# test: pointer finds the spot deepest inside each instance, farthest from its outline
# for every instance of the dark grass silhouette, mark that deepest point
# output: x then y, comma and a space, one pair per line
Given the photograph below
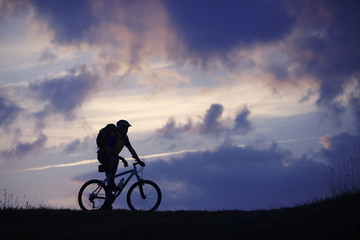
334, 218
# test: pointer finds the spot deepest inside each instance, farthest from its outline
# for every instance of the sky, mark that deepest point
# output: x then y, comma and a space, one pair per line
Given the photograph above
233, 104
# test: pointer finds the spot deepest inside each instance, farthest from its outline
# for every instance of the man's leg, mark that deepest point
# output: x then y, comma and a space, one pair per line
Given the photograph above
114, 162
110, 175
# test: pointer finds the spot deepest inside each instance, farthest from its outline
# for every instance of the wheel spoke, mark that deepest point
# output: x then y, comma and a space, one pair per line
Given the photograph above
92, 195
148, 201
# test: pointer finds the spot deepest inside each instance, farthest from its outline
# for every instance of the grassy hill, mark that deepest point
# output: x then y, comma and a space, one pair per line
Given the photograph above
336, 218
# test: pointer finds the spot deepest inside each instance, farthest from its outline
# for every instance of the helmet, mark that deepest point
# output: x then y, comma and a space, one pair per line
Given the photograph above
123, 123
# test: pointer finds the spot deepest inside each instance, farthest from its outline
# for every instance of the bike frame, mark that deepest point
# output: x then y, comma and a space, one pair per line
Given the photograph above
132, 172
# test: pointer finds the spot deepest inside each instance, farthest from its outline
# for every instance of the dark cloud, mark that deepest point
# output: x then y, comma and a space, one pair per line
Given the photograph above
242, 123
237, 178
331, 108
341, 146
342, 154
212, 121
8, 111
210, 28
71, 21
279, 70
171, 129
24, 148
354, 103
117, 28
332, 41
63, 95
323, 43
71, 147
79, 144
79, 21
211, 124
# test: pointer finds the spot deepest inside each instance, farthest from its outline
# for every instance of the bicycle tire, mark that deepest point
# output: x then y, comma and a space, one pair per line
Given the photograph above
90, 200
152, 196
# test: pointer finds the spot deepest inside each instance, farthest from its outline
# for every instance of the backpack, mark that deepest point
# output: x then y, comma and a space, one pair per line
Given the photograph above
104, 134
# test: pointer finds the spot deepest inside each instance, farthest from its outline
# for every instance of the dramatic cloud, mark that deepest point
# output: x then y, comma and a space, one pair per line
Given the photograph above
355, 106
21, 149
80, 144
171, 129
211, 124
342, 154
237, 178
335, 52
8, 111
211, 28
328, 49
212, 120
73, 28
339, 147
242, 123
121, 31
63, 95
151, 53
298, 40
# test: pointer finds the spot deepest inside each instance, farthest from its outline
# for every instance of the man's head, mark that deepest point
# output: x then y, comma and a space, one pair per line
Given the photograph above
123, 126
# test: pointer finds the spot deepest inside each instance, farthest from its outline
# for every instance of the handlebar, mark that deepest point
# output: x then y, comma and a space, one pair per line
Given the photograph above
124, 161
141, 163
138, 161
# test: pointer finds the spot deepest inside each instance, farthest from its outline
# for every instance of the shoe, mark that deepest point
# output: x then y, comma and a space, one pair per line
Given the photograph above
106, 207
108, 202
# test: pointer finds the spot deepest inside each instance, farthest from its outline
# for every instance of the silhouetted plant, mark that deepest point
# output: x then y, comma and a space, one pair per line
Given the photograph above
10, 202
344, 176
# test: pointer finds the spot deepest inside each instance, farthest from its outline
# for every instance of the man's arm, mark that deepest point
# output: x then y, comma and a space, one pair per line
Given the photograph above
132, 150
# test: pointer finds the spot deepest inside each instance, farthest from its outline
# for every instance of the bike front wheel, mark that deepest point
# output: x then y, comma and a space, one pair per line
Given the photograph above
144, 195
92, 195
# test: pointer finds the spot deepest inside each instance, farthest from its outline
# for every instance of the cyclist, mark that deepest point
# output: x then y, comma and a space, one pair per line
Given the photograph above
114, 144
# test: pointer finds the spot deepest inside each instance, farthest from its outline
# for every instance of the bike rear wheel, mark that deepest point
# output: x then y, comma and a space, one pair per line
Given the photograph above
144, 196
92, 195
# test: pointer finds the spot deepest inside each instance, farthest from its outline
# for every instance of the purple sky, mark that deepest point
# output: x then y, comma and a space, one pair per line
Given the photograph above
234, 104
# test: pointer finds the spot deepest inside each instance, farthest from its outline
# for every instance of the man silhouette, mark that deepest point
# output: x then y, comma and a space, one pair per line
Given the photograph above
114, 144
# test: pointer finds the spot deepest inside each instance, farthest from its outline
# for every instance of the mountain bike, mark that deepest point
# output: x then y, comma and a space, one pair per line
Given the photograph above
143, 195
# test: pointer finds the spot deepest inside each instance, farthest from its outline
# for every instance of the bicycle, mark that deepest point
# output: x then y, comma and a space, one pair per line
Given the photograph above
143, 195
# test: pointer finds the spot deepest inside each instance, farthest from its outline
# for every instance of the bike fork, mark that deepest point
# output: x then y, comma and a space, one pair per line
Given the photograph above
142, 193
141, 183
